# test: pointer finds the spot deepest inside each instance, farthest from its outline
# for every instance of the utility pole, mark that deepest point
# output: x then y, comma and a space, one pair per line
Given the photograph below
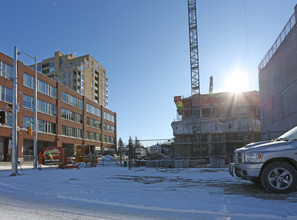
14, 159
35, 118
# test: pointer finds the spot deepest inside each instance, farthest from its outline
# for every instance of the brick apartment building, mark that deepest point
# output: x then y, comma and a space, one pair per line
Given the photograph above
65, 117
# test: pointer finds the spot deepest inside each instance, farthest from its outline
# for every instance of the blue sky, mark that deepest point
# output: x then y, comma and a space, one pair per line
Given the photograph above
144, 46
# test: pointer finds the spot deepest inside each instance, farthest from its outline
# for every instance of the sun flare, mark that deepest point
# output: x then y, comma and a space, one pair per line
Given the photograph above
237, 82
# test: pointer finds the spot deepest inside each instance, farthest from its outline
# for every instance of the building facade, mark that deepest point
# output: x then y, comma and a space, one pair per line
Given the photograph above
278, 83
77, 72
65, 117
228, 121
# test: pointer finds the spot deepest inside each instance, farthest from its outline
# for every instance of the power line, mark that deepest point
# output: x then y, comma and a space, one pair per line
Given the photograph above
168, 139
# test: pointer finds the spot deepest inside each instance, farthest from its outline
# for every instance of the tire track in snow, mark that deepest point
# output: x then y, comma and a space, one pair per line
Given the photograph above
184, 211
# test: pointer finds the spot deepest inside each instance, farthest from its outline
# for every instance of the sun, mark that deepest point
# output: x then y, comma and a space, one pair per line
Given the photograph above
237, 82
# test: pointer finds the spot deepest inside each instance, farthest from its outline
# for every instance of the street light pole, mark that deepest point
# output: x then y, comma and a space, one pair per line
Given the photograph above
35, 117
35, 112
14, 159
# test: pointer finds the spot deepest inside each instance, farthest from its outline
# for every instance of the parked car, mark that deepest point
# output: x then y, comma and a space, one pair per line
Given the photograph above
271, 163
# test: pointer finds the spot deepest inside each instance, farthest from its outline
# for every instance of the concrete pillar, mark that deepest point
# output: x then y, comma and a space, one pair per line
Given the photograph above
224, 145
244, 139
209, 145
20, 148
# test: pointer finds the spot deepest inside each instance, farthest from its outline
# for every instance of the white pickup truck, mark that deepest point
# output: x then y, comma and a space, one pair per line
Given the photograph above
271, 163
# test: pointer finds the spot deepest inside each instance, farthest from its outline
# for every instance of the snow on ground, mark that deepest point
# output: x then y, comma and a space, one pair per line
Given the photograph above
113, 192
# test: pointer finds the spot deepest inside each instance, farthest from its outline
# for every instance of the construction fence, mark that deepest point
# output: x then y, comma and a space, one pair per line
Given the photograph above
215, 162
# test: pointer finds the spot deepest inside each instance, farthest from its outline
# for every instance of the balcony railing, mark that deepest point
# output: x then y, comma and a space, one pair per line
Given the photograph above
278, 41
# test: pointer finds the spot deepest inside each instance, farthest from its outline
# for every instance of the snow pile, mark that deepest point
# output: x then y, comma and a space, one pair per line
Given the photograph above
81, 165
107, 161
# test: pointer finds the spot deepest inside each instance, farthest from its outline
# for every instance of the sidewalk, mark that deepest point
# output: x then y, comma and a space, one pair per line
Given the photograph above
22, 165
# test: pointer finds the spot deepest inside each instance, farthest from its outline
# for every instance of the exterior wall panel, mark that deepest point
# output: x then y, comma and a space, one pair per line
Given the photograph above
278, 88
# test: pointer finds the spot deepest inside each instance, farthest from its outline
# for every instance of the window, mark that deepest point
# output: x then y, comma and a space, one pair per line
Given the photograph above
71, 100
81, 67
93, 110
61, 61
28, 102
69, 79
64, 97
52, 91
47, 127
108, 116
7, 68
109, 128
64, 78
82, 87
72, 132
78, 82
41, 106
47, 89
5, 94
93, 123
45, 71
28, 81
45, 65
27, 121
39, 68
47, 108
72, 116
109, 139
52, 67
41, 86
87, 64
97, 66
93, 136
41, 126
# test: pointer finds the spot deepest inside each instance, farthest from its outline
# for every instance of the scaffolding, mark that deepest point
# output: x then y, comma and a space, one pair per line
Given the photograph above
228, 121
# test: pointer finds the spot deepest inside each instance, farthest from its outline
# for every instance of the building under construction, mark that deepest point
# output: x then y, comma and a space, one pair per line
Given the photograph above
226, 121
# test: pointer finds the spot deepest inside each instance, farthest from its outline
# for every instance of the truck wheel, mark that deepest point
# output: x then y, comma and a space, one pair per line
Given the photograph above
279, 177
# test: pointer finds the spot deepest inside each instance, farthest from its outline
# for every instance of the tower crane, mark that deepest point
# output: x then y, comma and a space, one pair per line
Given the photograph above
195, 79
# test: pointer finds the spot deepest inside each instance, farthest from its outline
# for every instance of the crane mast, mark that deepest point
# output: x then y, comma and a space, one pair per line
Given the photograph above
195, 79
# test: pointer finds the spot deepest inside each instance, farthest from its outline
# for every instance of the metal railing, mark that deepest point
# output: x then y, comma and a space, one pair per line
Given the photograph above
28, 157
286, 30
